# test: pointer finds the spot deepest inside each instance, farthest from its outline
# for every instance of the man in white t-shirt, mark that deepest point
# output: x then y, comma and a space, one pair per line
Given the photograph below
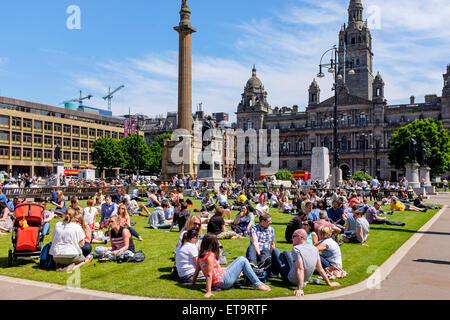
262, 208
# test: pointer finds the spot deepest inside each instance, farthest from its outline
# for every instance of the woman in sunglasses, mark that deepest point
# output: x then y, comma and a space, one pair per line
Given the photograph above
192, 222
186, 257
308, 226
125, 221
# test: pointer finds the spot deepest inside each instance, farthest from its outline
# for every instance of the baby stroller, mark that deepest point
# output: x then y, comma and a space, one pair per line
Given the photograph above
27, 236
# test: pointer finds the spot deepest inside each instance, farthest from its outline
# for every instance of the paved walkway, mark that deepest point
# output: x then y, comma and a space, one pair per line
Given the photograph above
420, 271
423, 273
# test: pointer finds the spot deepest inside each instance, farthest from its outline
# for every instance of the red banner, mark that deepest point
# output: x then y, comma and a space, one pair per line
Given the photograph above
70, 172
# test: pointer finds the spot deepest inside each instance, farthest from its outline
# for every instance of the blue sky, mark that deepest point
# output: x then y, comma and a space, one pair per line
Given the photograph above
133, 43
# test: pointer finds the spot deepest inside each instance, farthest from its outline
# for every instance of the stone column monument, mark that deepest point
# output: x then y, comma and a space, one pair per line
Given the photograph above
190, 153
185, 30
320, 164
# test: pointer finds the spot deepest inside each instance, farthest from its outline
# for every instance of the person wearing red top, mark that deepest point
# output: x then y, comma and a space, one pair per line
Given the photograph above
218, 277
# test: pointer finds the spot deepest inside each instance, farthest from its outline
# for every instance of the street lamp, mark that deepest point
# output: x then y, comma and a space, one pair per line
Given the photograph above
138, 119
333, 68
363, 137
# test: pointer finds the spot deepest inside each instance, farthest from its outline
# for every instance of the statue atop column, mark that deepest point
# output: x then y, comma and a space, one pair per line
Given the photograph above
424, 157
412, 149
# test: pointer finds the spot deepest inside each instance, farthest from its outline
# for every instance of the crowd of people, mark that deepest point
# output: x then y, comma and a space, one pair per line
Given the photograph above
324, 219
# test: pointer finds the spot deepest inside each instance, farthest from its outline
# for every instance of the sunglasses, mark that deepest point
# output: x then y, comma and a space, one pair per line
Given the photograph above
197, 224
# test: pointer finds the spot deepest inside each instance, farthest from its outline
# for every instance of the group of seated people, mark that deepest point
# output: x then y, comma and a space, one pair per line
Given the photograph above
321, 225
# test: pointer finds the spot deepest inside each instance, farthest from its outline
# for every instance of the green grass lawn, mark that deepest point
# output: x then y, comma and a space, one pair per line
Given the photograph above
151, 277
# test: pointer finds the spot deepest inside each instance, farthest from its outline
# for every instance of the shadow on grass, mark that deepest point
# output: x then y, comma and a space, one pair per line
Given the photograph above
433, 261
412, 231
18, 263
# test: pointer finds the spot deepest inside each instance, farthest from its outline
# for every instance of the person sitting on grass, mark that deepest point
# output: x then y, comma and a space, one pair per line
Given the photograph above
152, 200
193, 222
262, 207
157, 218
109, 209
68, 239
134, 208
186, 257
243, 222
262, 242
323, 216
218, 277
372, 216
297, 267
180, 216
216, 225
125, 221
360, 230
75, 205
312, 237
87, 248
90, 214
6, 223
222, 199
121, 242
60, 204
419, 203
208, 203
331, 252
47, 216
293, 225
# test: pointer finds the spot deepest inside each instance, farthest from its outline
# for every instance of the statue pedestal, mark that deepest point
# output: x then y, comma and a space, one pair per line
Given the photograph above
58, 169
320, 164
424, 173
412, 174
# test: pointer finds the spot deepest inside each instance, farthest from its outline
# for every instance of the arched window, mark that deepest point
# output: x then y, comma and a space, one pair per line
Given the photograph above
249, 124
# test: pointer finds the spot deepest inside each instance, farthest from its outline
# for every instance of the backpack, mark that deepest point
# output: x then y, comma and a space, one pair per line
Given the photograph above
261, 274
46, 260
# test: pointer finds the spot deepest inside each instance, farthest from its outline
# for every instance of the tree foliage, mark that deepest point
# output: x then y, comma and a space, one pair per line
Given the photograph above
428, 133
359, 175
284, 175
131, 151
107, 154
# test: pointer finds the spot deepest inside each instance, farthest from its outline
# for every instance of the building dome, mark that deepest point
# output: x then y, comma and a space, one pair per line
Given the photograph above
254, 82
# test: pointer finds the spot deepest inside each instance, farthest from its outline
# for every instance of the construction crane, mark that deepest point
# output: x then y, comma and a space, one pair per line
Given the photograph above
110, 96
80, 100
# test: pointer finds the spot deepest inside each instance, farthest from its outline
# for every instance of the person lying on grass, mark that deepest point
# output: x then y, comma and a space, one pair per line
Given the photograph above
297, 267
397, 205
218, 277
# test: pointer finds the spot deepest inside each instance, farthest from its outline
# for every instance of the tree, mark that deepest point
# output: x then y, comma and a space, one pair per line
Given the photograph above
359, 175
284, 175
106, 154
428, 133
129, 146
156, 149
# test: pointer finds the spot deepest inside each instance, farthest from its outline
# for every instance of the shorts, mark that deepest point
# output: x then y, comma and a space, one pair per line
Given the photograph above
66, 260
407, 207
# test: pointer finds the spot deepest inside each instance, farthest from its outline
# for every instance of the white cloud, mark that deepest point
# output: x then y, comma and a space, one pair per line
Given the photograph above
411, 52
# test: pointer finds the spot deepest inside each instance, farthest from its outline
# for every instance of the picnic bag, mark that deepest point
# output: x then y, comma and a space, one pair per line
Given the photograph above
46, 260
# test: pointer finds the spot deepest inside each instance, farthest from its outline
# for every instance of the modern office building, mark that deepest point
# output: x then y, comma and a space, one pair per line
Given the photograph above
30, 132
